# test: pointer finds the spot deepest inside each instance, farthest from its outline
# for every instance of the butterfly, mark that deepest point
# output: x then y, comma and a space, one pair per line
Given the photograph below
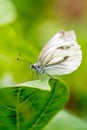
61, 55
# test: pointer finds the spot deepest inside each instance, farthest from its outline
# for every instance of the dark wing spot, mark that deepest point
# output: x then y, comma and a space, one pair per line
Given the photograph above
67, 47
63, 47
62, 32
66, 57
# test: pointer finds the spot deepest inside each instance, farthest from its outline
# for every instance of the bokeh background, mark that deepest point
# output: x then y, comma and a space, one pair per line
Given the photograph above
26, 26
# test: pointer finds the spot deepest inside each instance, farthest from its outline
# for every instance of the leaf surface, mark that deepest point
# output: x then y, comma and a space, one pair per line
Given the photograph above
27, 108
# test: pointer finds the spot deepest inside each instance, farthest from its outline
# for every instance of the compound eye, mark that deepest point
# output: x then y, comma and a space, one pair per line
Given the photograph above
31, 66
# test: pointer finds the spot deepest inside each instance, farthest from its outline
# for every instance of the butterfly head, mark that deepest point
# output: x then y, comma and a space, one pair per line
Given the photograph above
39, 69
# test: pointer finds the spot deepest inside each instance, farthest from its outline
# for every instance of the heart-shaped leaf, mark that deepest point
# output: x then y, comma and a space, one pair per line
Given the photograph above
24, 108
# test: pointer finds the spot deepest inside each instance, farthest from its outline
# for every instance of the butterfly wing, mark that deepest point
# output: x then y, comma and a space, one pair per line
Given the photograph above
61, 55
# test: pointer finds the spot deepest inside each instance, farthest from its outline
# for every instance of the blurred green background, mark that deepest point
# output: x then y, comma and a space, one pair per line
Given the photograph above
26, 26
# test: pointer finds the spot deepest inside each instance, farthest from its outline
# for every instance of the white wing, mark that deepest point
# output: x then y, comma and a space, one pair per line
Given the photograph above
62, 55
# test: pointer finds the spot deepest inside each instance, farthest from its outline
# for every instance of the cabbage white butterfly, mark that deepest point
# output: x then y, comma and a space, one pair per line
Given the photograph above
61, 55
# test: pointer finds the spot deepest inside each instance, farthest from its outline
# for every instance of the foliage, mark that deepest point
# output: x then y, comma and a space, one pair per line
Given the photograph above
25, 108
25, 26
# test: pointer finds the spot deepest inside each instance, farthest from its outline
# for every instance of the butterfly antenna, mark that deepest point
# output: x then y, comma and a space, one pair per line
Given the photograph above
23, 59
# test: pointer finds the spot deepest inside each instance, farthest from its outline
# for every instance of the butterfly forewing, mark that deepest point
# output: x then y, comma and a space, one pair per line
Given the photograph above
62, 54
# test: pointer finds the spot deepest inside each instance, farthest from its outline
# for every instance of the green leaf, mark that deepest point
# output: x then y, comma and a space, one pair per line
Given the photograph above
27, 108
66, 121
40, 84
7, 12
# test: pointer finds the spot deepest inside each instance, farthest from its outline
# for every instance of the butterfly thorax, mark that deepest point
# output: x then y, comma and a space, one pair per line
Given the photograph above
39, 69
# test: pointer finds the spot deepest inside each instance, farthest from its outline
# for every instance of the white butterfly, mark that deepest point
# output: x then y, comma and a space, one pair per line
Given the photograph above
61, 55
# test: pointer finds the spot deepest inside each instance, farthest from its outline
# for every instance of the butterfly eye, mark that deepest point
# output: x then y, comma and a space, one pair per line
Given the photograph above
32, 66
